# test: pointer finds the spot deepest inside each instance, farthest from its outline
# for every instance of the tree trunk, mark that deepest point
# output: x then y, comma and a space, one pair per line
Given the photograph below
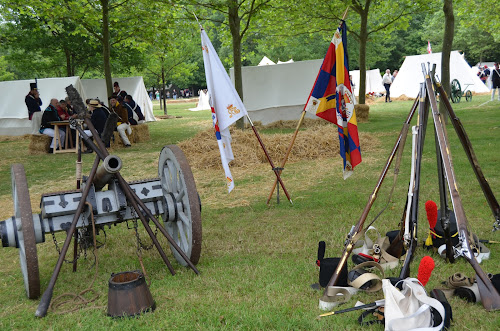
73, 64
449, 30
363, 38
163, 95
106, 47
234, 25
68, 62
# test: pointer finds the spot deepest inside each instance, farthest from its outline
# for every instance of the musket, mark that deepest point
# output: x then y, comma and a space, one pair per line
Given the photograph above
375, 304
356, 232
489, 295
411, 230
469, 151
396, 248
445, 211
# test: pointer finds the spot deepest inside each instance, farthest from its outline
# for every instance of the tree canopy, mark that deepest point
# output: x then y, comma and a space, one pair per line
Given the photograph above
97, 38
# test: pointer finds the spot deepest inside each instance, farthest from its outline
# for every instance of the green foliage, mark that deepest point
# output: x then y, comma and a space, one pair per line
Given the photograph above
481, 15
5, 73
54, 38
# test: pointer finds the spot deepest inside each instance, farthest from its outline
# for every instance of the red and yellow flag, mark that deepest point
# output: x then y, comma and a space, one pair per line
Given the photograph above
331, 98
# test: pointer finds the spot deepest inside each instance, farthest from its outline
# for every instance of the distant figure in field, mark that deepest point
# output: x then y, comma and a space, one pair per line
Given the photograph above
135, 115
387, 81
483, 74
117, 91
50, 115
33, 102
495, 81
123, 122
394, 74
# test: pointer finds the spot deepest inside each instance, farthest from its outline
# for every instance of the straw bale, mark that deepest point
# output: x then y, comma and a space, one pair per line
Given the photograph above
306, 123
362, 112
140, 133
116, 141
314, 143
39, 144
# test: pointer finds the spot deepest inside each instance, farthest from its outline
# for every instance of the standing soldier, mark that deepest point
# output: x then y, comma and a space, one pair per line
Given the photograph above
33, 102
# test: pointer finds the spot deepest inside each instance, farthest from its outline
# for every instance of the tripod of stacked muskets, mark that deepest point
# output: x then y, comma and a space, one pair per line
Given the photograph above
406, 240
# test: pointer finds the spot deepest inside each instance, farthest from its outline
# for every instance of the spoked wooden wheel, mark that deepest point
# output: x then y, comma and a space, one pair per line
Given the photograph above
456, 91
182, 217
468, 95
26, 235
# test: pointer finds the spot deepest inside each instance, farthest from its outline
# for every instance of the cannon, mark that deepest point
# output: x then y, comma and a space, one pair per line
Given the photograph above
171, 197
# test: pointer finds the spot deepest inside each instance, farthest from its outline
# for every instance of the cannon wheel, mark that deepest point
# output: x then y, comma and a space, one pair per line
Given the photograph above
456, 92
468, 95
177, 180
26, 235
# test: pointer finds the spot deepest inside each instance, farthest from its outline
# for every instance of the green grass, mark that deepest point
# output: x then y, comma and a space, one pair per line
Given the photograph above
257, 262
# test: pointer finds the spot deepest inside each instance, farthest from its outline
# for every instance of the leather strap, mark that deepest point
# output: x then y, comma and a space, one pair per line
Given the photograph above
366, 277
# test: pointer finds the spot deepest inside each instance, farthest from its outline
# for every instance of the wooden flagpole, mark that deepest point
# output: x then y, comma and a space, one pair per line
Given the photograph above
287, 154
276, 171
294, 136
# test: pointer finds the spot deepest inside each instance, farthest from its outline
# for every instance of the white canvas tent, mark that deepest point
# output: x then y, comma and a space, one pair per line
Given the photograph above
203, 103
279, 92
265, 61
289, 61
13, 112
96, 88
373, 81
409, 77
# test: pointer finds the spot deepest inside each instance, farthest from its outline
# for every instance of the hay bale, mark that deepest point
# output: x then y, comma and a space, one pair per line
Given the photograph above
362, 112
39, 144
116, 141
202, 150
140, 133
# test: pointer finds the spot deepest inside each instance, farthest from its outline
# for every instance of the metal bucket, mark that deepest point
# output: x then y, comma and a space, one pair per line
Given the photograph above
128, 294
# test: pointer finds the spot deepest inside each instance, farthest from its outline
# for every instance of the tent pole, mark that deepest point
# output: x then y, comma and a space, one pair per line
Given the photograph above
286, 155
275, 170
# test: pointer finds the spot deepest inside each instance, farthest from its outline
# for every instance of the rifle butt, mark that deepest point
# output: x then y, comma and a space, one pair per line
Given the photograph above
489, 295
43, 306
396, 247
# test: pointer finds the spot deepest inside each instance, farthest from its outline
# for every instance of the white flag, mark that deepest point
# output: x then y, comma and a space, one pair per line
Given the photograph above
225, 103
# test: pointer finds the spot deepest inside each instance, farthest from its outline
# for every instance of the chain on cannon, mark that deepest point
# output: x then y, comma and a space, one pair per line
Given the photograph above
171, 198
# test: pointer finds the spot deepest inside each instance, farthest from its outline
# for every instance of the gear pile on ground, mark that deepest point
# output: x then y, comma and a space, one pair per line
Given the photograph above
317, 139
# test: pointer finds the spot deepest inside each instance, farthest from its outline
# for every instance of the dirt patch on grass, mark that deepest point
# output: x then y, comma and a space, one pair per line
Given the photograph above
166, 117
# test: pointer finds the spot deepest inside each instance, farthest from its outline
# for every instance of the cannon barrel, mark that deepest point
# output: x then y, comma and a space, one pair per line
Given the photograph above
110, 166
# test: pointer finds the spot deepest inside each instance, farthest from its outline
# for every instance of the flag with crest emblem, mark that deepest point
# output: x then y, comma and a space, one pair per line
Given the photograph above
225, 103
331, 98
